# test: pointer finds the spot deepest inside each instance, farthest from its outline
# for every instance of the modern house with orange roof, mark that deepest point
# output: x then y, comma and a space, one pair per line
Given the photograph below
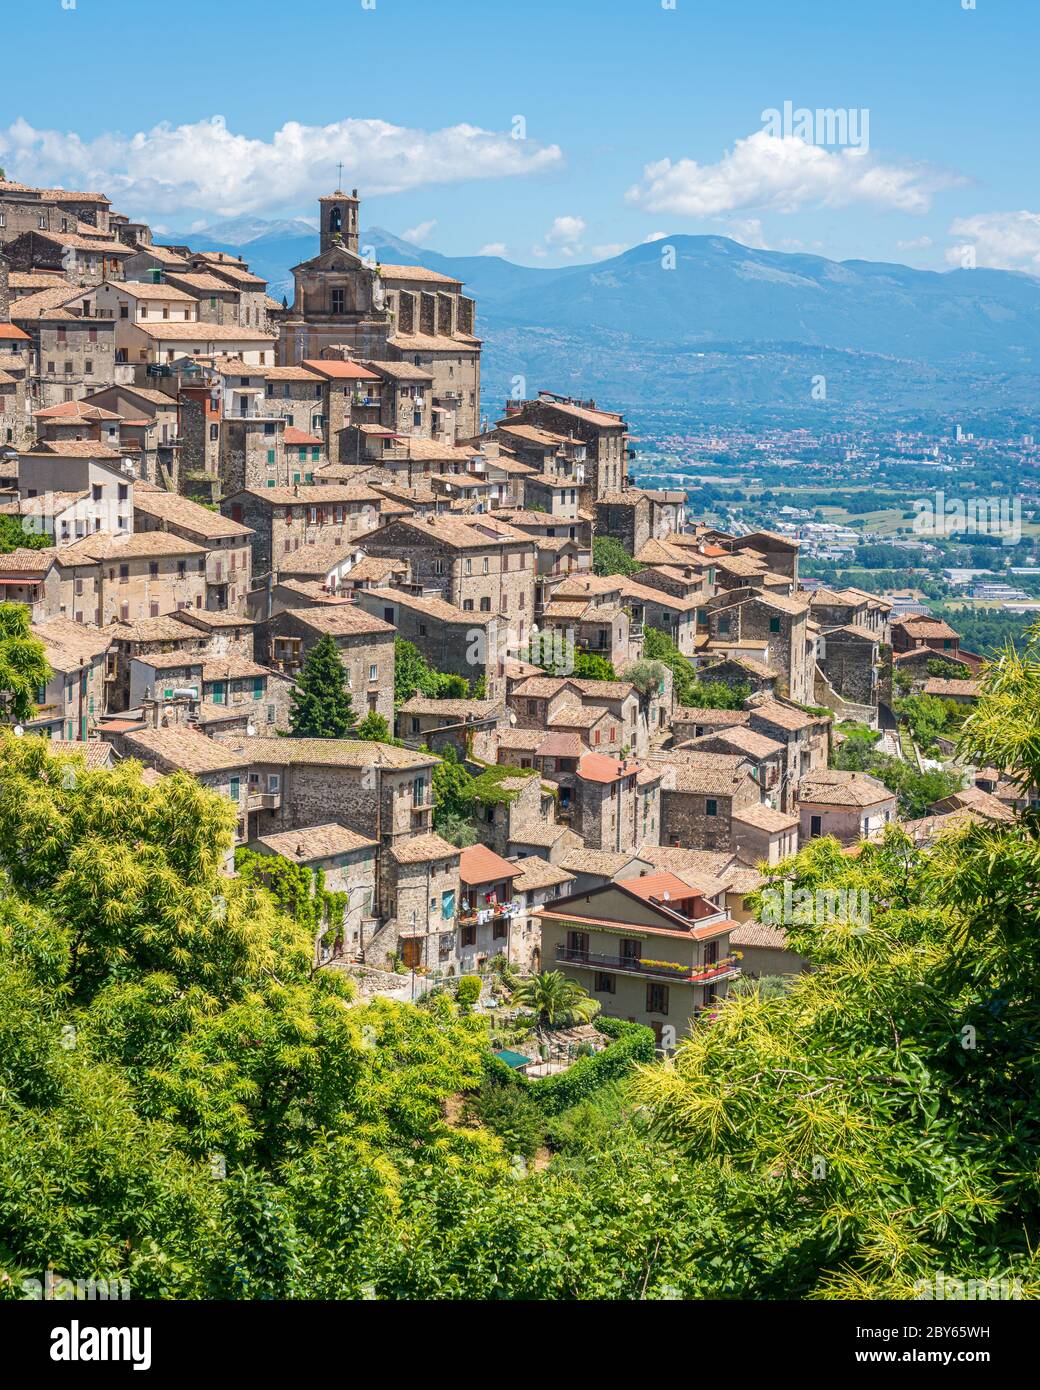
653, 949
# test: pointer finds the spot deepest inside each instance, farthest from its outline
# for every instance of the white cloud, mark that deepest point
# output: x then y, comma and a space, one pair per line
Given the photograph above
919, 243
493, 248
566, 231
419, 234
748, 231
655, 236
1002, 240
206, 168
607, 251
784, 174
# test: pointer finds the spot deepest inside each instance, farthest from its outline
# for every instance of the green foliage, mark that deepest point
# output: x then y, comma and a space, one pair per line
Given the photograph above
512, 1114
929, 718
690, 692
467, 992
916, 790
297, 890
556, 999
646, 676
321, 706
374, 728
459, 796
948, 670
587, 666
411, 674
14, 536
184, 1102
609, 556
23, 664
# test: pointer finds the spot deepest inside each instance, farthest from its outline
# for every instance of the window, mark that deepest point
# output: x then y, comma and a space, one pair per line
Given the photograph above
774, 624
373, 672
724, 625
711, 807
153, 569
657, 999
815, 827
469, 936
605, 984
235, 788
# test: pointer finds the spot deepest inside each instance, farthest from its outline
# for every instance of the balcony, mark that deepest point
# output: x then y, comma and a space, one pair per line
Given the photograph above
679, 973
263, 801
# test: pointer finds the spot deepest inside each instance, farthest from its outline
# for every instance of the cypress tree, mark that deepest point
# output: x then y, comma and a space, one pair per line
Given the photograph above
321, 705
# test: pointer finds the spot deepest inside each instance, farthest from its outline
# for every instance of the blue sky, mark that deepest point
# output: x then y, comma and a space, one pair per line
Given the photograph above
638, 119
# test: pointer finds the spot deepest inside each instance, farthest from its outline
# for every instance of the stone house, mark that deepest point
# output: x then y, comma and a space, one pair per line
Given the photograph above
479, 564
365, 645
449, 639
779, 623
617, 802
805, 736
653, 949
66, 707
851, 806
700, 794
604, 434
347, 862
120, 578
532, 810
848, 658
420, 905
74, 356
285, 520
590, 614
221, 766
767, 756
675, 617
468, 726
85, 260
762, 835
232, 691
692, 722
226, 542
923, 630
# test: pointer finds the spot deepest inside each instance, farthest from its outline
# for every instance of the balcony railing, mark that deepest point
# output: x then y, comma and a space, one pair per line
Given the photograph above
680, 972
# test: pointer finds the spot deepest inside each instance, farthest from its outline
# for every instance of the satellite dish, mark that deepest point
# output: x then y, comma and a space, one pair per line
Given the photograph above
251, 730
19, 732
667, 896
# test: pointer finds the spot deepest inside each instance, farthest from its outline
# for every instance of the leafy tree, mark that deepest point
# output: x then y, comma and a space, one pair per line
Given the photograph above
14, 536
556, 999
609, 556
23, 664
411, 674
927, 716
646, 676
374, 728
690, 691
321, 706
948, 670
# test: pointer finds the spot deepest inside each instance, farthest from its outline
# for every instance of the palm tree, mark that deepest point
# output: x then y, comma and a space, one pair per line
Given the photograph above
556, 999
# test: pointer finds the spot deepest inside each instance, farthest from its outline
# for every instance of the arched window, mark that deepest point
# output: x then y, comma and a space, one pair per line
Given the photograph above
335, 220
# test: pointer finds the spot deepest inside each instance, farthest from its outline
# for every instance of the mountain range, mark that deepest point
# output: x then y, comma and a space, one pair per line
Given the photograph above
726, 327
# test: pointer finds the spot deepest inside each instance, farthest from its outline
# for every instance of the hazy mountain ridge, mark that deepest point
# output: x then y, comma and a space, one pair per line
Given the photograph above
729, 324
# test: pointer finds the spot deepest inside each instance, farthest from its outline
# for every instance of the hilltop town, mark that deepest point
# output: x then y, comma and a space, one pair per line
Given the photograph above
203, 491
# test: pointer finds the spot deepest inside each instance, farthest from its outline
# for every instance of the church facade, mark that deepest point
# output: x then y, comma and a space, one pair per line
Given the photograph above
347, 304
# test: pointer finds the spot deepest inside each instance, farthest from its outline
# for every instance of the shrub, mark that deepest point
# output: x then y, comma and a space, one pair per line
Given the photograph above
468, 991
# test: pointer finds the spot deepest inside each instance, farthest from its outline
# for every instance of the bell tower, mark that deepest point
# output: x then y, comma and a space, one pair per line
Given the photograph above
339, 220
